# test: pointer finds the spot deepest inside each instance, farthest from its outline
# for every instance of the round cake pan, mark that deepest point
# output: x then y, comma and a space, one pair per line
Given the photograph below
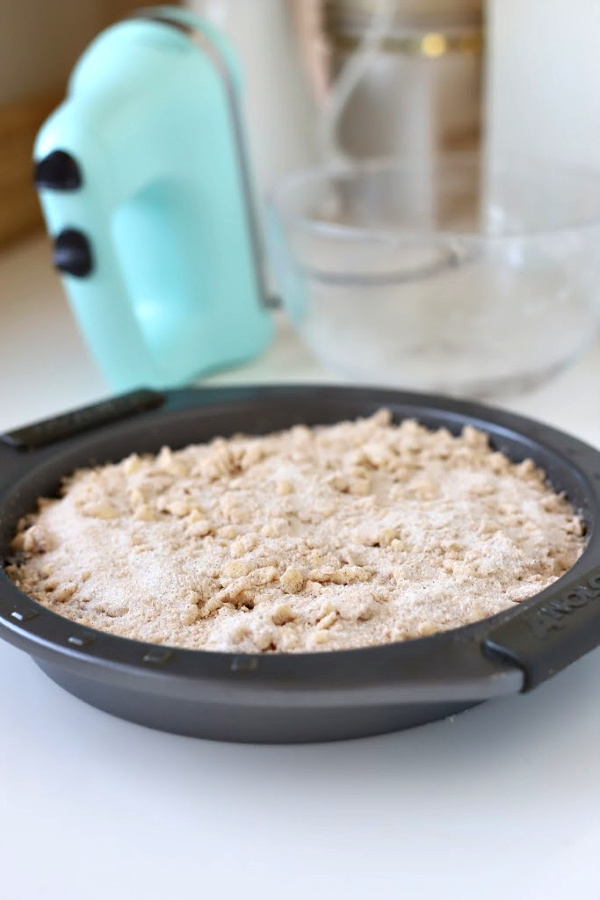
295, 697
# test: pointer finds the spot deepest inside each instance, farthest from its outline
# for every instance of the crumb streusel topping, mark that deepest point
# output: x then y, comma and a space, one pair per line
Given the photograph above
323, 538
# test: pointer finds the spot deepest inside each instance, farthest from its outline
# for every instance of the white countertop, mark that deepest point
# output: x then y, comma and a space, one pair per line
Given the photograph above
503, 801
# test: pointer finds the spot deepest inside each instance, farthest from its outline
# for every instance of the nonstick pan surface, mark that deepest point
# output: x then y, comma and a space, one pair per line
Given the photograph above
305, 696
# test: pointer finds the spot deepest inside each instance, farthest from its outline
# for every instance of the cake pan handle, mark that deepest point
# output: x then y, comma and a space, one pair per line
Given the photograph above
77, 421
545, 636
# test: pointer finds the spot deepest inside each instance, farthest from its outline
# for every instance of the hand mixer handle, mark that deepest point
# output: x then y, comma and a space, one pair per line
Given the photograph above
145, 188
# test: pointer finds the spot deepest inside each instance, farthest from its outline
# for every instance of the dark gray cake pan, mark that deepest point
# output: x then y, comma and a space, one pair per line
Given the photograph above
301, 696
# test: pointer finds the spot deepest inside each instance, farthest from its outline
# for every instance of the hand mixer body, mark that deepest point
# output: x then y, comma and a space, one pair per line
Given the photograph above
143, 190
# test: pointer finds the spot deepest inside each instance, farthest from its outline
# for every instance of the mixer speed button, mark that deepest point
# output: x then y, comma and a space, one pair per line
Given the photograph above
73, 253
58, 171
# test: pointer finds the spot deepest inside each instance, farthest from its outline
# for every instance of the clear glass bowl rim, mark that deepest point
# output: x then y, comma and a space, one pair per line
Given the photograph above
293, 182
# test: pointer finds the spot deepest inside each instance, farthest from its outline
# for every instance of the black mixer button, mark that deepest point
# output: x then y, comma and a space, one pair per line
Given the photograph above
58, 171
72, 253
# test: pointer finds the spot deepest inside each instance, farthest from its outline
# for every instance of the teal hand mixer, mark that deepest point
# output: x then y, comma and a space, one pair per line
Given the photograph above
144, 182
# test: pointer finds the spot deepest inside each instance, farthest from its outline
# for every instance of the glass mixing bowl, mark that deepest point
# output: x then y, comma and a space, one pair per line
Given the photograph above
471, 276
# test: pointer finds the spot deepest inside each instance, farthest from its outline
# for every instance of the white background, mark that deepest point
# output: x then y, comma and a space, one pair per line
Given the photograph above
544, 79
